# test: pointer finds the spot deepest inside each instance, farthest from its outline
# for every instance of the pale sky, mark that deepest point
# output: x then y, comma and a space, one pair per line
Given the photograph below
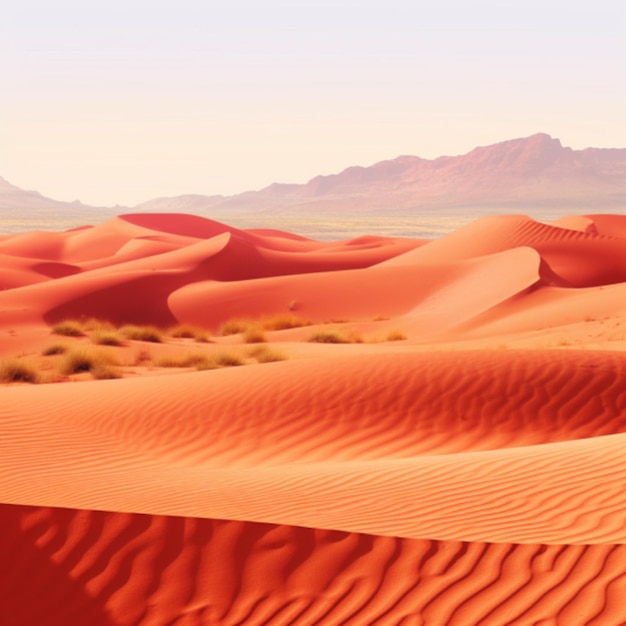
122, 101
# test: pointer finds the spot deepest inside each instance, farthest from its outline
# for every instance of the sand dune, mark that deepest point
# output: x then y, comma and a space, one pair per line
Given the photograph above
201, 571
470, 473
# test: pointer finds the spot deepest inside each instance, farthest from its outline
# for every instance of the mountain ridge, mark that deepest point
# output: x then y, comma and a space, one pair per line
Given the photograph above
523, 173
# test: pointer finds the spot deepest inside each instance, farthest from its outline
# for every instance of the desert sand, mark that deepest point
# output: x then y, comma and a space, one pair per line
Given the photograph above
450, 450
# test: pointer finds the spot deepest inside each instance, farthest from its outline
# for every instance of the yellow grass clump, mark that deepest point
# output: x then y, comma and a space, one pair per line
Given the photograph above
142, 333
98, 363
105, 337
280, 321
328, 336
54, 349
283, 321
395, 335
193, 359
94, 324
254, 334
228, 359
265, 354
235, 326
188, 331
16, 371
68, 328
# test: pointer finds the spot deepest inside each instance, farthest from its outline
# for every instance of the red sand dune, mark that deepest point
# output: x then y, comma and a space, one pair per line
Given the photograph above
471, 474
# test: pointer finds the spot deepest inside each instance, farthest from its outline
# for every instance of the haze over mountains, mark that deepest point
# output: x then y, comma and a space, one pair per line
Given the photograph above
529, 175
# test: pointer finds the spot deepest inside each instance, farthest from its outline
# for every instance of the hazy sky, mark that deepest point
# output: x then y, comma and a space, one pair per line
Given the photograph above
122, 101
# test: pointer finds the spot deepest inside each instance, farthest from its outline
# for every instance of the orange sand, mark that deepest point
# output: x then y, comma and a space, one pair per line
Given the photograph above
472, 473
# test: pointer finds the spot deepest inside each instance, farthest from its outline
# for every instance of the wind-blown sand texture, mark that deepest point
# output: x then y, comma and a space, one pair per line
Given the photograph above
473, 472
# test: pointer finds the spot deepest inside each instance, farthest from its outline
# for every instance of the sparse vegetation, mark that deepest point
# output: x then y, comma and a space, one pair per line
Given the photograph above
54, 349
254, 334
68, 328
328, 336
16, 371
265, 354
228, 359
142, 333
280, 321
183, 360
142, 357
188, 331
234, 326
395, 335
82, 360
105, 337
95, 324
283, 321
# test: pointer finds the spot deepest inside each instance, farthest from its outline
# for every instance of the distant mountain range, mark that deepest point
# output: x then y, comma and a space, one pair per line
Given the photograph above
519, 175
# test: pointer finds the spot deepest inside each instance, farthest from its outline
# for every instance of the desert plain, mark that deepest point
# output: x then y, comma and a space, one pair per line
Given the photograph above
207, 425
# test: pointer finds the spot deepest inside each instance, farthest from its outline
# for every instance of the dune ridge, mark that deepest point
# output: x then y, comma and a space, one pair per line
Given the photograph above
471, 471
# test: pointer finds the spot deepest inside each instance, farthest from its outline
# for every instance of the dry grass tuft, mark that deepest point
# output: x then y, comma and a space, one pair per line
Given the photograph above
265, 354
235, 326
142, 357
328, 336
280, 321
142, 333
395, 335
105, 337
185, 360
228, 359
55, 348
95, 324
283, 321
15, 371
254, 334
188, 331
82, 360
68, 328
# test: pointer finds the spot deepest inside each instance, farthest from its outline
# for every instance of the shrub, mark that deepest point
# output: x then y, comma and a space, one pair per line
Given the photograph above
142, 333
187, 331
14, 371
395, 335
283, 321
55, 348
142, 357
68, 328
228, 359
328, 336
185, 360
234, 327
76, 361
94, 324
264, 354
254, 334
104, 337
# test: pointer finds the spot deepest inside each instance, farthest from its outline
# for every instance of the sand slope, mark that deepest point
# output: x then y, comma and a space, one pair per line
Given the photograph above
201, 571
472, 473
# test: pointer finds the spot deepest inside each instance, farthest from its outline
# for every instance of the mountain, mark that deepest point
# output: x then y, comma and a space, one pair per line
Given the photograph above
534, 175
532, 172
20, 209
